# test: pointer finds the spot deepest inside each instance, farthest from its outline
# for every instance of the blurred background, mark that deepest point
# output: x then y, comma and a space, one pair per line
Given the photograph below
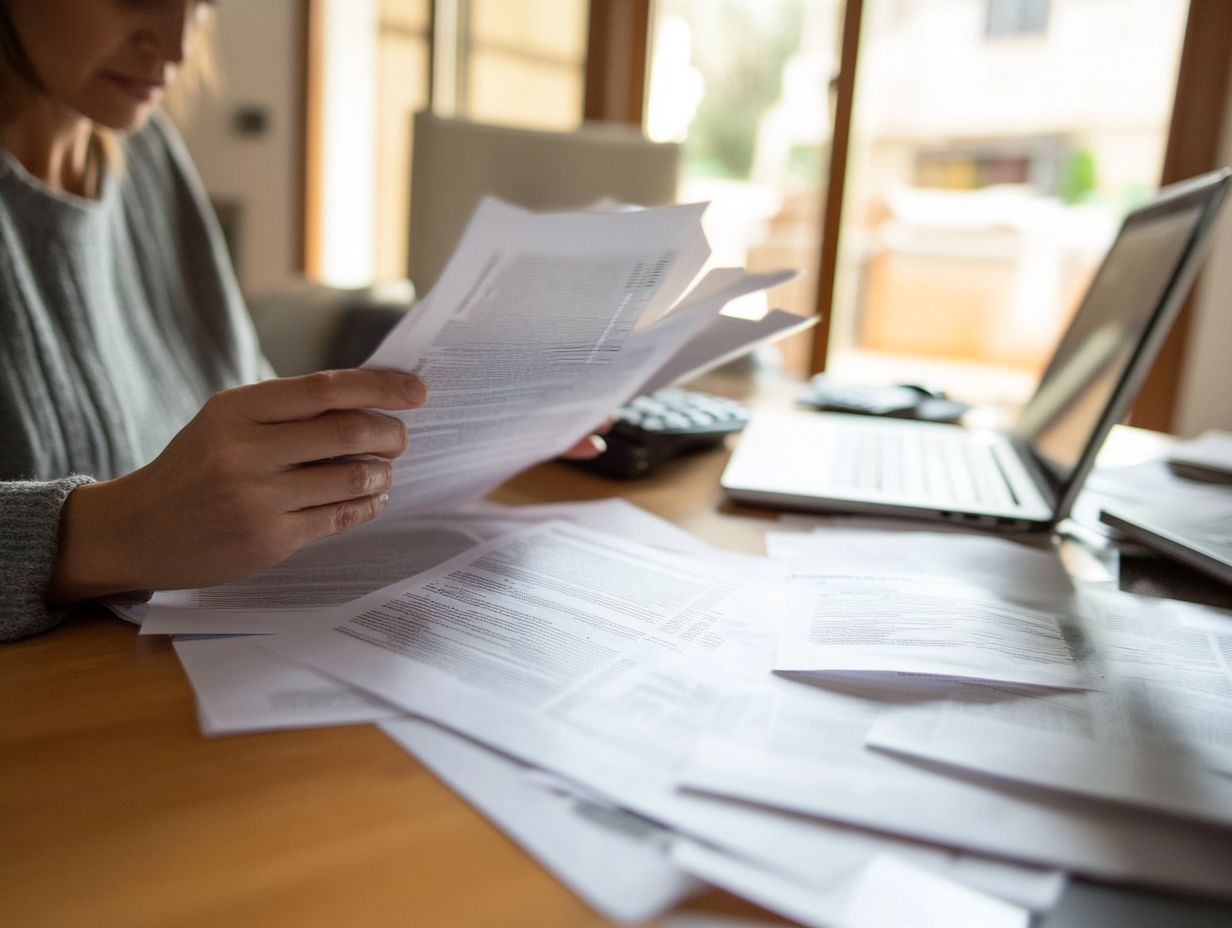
948, 173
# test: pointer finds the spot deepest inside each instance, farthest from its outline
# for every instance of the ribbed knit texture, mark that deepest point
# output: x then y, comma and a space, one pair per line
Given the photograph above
27, 550
118, 318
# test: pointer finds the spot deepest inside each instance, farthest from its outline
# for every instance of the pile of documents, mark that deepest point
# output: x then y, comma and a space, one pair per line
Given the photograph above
865, 727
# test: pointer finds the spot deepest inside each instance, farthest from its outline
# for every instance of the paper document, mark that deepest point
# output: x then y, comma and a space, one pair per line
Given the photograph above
1160, 737
344, 567
803, 749
1149, 480
921, 627
1207, 457
242, 687
1204, 618
536, 330
605, 662
332, 571
884, 893
724, 339
964, 606
617, 862
999, 565
504, 618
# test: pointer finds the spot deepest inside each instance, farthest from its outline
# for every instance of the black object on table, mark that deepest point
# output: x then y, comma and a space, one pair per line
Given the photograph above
658, 427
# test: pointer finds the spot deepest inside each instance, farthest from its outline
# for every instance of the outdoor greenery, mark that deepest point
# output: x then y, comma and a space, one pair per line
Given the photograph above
740, 49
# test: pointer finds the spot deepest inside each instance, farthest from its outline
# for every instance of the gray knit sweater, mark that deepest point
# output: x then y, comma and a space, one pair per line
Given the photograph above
118, 318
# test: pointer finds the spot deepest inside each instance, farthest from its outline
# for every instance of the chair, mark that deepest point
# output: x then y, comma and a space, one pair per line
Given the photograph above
455, 163
307, 326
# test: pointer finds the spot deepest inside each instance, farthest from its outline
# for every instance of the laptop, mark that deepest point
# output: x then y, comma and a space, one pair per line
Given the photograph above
1197, 535
1025, 477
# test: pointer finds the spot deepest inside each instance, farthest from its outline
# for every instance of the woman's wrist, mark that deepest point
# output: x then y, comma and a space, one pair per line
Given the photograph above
94, 556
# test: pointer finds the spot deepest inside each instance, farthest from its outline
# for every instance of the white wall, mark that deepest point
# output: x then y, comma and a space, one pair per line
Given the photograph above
1206, 383
258, 59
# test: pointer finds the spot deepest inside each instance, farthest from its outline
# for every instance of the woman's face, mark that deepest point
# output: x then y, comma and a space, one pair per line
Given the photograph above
106, 60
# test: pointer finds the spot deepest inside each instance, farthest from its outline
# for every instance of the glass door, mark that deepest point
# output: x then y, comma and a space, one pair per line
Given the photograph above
995, 145
745, 86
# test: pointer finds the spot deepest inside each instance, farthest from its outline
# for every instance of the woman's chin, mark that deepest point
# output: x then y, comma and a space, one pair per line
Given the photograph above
123, 119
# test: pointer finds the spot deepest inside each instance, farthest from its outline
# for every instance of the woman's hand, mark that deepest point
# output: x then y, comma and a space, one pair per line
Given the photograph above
591, 446
248, 482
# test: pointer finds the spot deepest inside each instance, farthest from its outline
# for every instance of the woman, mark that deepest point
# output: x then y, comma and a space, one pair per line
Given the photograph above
129, 458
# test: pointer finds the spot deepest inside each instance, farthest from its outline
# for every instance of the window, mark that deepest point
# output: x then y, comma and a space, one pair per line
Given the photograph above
745, 86
985, 180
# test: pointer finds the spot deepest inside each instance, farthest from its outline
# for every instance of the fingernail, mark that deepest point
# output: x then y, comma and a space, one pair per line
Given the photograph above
382, 499
414, 390
599, 443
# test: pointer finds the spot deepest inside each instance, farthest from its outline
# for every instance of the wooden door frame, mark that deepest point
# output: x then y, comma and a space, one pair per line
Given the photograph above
1194, 134
836, 183
616, 64
309, 165
617, 49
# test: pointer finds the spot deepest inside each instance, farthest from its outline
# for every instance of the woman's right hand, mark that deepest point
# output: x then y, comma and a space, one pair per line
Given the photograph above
248, 482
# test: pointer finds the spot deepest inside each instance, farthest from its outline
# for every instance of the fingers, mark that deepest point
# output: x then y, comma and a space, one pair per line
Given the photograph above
335, 518
590, 447
334, 482
293, 398
335, 434
587, 448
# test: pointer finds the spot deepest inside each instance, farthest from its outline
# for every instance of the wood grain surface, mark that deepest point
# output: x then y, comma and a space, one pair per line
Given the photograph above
115, 811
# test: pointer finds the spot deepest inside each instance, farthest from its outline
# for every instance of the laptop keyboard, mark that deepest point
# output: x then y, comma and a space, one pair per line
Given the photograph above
946, 468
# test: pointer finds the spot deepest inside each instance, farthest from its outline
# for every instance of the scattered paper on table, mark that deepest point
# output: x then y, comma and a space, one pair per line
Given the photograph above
884, 893
614, 860
242, 687
1159, 737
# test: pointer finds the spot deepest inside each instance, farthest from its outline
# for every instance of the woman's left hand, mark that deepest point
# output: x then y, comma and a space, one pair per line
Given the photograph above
591, 446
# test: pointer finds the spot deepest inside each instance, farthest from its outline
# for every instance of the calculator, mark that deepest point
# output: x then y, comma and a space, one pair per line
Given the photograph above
666, 424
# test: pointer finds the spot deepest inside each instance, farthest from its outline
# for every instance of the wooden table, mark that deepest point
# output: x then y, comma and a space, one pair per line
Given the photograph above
115, 811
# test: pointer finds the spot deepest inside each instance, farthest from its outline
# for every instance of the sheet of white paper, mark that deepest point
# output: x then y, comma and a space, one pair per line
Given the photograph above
891, 892
803, 749
329, 572
884, 893
999, 565
1154, 739
725, 338
1204, 618
805, 850
1134, 775
241, 687
1209, 452
970, 606
530, 338
613, 515
1152, 480
603, 661
344, 567
617, 862
917, 626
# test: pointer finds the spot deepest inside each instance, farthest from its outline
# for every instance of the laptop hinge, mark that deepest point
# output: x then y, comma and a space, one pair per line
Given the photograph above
1050, 488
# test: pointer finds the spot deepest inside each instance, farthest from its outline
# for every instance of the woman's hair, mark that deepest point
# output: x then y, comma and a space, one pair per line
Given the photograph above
16, 73
18, 79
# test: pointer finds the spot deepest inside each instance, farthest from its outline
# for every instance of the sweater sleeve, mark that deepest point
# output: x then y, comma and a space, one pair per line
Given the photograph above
29, 535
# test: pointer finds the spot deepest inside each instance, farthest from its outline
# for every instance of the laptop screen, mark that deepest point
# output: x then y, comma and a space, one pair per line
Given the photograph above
1108, 332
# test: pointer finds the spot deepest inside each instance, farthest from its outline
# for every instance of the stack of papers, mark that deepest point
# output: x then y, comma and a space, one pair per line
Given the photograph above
834, 731
1207, 457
